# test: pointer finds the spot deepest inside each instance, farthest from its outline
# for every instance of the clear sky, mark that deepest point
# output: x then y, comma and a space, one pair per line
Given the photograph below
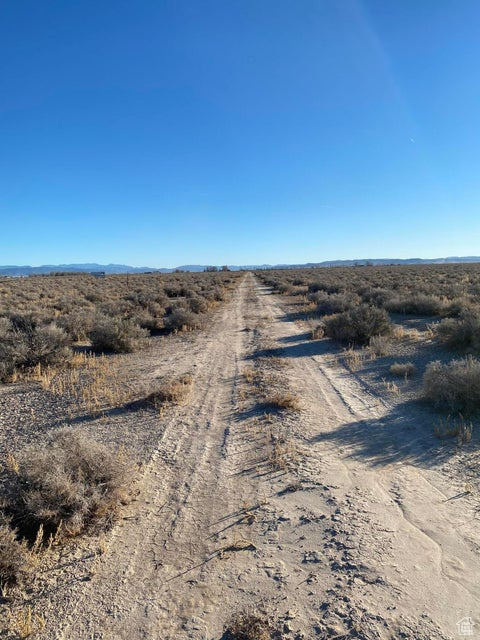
167, 132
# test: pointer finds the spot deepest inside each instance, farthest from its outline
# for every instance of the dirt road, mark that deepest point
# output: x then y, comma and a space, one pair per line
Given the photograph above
362, 537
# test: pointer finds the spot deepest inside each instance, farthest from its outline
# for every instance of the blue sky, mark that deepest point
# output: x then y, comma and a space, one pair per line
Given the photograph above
169, 132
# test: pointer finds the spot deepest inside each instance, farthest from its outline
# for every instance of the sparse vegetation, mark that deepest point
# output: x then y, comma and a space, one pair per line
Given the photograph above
40, 316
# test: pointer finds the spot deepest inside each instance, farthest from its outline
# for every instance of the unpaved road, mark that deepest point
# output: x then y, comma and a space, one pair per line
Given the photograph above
372, 544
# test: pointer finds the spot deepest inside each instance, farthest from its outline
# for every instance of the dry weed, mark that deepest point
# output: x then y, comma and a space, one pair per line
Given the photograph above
72, 483
454, 428
24, 623
284, 400
353, 359
403, 369
251, 625
175, 391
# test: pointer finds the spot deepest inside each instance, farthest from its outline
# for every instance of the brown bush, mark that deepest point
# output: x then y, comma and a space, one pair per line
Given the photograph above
73, 481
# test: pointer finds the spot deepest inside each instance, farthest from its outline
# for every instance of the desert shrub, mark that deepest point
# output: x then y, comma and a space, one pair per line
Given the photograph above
78, 323
13, 555
286, 289
327, 303
146, 320
462, 333
380, 345
458, 307
73, 481
218, 294
403, 369
416, 305
24, 344
375, 296
358, 325
198, 304
182, 320
116, 335
453, 387
323, 286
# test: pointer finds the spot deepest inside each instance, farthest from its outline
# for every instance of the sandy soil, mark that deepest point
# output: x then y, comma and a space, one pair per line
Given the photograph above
365, 534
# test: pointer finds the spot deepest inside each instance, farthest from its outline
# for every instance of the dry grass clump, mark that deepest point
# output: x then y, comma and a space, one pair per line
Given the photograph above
24, 344
403, 369
462, 333
73, 483
453, 387
380, 345
14, 556
353, 359
116, 335
250, 374
358, 325
454, 428
92, 382
284, 400
318, 332
24, 623
250, 625
175, 391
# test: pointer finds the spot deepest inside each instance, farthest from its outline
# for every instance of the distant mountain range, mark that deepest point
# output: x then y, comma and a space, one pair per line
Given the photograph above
92, 267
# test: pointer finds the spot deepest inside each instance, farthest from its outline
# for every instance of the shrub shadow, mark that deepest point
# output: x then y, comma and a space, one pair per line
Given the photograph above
406, 434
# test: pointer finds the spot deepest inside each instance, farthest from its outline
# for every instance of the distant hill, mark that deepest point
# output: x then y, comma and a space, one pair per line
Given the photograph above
89, 267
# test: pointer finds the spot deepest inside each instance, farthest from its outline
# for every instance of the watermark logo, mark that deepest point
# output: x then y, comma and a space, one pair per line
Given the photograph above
465, 626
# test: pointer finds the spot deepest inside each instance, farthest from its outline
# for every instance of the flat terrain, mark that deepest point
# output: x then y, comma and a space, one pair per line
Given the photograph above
340, 519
